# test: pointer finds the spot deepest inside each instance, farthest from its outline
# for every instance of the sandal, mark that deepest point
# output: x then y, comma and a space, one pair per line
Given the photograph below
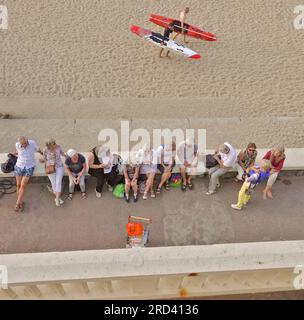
21, 206
70, 197
83, 195
167, 186
191, 186
17, 207
158, 190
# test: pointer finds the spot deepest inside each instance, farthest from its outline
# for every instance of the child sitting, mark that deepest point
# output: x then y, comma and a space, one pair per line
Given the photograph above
255, 175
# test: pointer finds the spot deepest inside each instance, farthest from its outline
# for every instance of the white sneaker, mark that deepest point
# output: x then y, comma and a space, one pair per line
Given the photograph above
98, 194
61, 201
234, 206
110, 188
57, 202
209, 193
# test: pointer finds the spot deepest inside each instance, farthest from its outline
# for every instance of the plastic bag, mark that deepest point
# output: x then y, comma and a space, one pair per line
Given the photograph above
118, 191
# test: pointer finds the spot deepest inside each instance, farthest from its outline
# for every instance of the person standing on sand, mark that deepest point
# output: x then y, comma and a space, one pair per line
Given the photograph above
166, 37
182, 18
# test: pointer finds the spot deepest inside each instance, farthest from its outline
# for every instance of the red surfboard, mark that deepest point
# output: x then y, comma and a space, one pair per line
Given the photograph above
188, 29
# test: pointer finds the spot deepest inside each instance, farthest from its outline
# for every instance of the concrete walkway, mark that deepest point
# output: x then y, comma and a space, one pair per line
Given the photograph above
190, 218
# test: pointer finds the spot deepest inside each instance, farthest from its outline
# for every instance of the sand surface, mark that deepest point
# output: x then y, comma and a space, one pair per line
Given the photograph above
84, 50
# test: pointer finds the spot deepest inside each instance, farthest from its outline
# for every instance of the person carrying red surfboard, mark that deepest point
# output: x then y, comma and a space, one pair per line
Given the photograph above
182, 18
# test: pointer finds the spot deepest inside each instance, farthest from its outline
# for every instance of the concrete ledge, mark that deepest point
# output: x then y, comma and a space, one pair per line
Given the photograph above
146, 273
162, 261
294, 161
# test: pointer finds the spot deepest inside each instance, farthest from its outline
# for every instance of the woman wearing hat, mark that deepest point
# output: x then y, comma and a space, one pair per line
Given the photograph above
75, 166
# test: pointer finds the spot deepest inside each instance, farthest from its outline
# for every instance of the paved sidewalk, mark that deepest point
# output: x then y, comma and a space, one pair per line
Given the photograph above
178, 218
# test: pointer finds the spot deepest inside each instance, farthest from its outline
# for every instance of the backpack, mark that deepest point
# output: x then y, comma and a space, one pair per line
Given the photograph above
9, 165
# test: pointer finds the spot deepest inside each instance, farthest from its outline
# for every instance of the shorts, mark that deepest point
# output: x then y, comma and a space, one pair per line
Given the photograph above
162, 169
23, 172
147, 169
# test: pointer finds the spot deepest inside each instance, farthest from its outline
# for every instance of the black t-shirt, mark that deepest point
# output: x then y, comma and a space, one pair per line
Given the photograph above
75, 167
167, 33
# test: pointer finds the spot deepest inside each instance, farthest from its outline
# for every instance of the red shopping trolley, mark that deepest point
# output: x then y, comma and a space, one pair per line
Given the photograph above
138, 229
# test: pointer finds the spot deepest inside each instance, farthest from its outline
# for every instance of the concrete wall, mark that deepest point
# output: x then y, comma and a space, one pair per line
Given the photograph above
142, 273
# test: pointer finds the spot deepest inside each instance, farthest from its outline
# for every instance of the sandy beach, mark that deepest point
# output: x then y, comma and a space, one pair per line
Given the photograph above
83, 50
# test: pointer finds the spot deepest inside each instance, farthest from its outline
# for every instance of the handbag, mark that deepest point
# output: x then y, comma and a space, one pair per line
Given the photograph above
210, 161
49, 168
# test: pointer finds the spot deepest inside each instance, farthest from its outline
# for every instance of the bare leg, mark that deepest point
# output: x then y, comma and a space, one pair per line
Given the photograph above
164, 178
127, 188
134, 187
161, 52
267, 193
175, 36
184, 176
21, 192
18, 184
191, 175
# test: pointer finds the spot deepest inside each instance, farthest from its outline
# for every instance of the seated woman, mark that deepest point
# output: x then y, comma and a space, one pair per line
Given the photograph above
254, 176
166, 163
103, 167
75, 166
131, 174
226, 161
246, 158
147, 159
276, 157
187, 153
54, 168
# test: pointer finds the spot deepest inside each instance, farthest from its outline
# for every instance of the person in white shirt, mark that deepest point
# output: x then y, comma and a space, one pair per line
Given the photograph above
187, 153
226, 161
147, 159
166, 163
24, 168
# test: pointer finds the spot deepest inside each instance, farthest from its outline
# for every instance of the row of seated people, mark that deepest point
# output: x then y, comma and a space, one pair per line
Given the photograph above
104, 165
